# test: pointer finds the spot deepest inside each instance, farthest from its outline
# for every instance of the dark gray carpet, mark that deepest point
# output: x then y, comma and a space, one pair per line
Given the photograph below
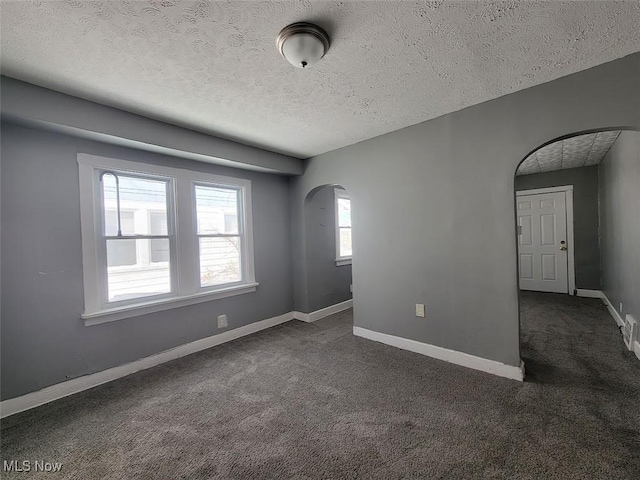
312, 401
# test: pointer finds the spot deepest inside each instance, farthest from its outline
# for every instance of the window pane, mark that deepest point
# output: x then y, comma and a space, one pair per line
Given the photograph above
158, 223
219, 261
345, 242
159, 250
217, 210
121, 252
111, 221
230, 223
344, 212
141, 278
138, 196
159, 247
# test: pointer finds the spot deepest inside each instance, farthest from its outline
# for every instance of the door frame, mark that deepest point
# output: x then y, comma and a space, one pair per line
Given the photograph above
568, 191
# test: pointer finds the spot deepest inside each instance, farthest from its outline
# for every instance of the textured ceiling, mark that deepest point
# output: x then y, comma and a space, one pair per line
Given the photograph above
213, 66
580, 151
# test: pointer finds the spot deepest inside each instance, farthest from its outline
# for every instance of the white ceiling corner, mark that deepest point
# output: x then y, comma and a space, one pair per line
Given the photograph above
574, 152
213, 66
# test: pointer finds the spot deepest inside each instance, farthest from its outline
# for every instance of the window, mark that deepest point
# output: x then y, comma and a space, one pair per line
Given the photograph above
343, 227
156, 237
126, 238
219, 238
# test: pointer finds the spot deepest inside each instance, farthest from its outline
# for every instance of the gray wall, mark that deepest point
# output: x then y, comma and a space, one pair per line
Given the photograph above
43, 108
620, 223
585, 217
328, 283
435, 219
43, 339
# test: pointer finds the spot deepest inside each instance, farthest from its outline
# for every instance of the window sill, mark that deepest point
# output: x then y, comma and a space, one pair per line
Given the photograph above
342, 261
128, 311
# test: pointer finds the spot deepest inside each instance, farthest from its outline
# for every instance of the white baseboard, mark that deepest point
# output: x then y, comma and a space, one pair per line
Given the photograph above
303, 317
76, 385
600, 294
459, 358
614, 313
581, 292
324, 312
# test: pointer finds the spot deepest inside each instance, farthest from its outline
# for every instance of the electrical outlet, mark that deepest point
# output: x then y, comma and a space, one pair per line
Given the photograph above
222, 321
620, 307
351, 288
420, 310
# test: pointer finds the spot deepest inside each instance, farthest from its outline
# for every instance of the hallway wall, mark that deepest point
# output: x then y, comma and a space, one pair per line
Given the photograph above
620, 223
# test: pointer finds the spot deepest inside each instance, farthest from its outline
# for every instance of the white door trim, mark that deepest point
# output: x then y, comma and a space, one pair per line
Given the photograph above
536, 191
568, 191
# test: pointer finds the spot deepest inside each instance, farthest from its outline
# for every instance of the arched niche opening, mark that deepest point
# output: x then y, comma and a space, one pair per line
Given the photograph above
328, 248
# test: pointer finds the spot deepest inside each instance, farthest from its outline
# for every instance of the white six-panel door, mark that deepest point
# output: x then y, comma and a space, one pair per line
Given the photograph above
542, 242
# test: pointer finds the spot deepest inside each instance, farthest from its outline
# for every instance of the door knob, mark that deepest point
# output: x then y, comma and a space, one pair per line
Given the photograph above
563, 248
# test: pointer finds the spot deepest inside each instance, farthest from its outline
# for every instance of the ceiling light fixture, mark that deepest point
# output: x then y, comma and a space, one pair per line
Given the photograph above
303, 44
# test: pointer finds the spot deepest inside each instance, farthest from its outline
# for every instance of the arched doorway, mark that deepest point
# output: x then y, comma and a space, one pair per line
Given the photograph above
328, 251
571, 222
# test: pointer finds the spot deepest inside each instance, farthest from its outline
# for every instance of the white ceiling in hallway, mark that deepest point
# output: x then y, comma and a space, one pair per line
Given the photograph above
214, 67
580, 151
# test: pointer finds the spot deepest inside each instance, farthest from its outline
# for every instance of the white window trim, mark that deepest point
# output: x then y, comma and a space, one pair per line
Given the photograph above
340, 193
187, 289
144, 308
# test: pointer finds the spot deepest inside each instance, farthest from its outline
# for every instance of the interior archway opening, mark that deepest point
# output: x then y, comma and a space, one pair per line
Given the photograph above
577, 227
329, 252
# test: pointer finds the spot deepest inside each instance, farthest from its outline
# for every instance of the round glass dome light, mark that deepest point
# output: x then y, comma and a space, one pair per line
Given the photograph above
303, 44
